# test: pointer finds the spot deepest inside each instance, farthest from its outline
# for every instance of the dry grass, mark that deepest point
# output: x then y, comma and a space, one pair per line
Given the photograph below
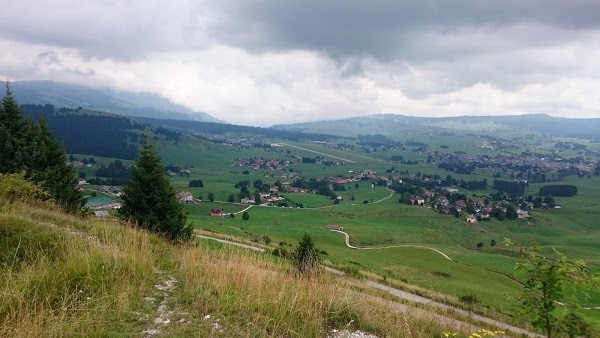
66, 276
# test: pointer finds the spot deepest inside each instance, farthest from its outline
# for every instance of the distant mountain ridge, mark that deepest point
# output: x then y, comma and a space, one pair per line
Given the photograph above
123, 103
392, 124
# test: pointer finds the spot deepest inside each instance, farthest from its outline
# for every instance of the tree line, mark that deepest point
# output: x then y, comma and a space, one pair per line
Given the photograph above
112, 136
563, 190
511, 187
222, 128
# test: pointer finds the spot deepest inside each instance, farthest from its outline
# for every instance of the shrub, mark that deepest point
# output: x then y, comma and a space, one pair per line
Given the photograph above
306, 257
16, 187
351, 271
196, 183
282, 252
245, 216
468, 298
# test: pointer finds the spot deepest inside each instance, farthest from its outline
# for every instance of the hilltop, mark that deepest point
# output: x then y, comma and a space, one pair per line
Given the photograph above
63, 95
394, 125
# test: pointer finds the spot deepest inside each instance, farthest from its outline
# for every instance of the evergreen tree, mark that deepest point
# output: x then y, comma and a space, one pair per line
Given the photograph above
49, 167
549, 199
257, 199
511, 212
149, 198
11, 125
28, 154
306, 256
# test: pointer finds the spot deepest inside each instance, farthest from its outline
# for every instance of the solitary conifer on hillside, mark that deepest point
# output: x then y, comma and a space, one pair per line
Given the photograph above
306, 256
149, 198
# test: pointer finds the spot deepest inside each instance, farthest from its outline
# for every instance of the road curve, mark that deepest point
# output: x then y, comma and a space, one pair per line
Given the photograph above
411, 297
391, 246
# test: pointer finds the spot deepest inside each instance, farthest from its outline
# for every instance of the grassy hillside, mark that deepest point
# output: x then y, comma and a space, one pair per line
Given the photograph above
66, 276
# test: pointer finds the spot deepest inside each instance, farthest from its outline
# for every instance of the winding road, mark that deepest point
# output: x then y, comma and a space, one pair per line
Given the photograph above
389, 247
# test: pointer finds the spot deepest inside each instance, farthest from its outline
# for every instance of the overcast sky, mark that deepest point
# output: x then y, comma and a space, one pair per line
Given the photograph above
264, 62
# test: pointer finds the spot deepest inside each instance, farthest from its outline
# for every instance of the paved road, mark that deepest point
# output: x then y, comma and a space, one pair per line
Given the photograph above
313, 151
239, 212
416, 299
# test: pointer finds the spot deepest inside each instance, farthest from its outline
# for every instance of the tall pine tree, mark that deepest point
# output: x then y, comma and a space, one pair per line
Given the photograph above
52, 171
11, 126
149, 198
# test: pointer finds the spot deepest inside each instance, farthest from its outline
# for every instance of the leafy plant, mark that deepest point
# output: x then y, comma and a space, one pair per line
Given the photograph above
544, 289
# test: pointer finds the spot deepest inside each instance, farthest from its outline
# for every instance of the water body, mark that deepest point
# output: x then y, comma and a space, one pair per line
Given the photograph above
94, 201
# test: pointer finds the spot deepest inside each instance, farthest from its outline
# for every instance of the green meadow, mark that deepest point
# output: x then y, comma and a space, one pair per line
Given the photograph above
485, 272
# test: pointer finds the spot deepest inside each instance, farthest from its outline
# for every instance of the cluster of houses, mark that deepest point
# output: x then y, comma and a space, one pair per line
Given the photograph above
264, 197
479, 212
79, 164
110, 190
184, 196
264, 164
111, 205
516, 166
183, 172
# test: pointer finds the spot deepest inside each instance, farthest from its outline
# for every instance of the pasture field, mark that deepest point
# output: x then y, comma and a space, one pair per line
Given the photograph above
381, 225
483, 272
474, 271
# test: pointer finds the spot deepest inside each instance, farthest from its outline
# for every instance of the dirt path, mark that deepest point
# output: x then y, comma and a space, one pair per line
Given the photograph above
241, 211
391, 246
385, 198
163, 316
224, 241
416, 299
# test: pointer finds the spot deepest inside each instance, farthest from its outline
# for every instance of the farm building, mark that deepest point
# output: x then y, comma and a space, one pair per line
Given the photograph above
216, 212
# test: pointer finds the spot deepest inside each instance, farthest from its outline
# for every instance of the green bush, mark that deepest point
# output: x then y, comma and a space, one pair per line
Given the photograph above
16, 187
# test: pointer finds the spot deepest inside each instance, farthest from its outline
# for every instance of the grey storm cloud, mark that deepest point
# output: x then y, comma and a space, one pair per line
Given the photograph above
385, 29
301, 58
392, 29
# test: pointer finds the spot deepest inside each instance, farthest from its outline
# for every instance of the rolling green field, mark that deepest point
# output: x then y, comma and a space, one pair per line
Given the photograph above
483, 272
